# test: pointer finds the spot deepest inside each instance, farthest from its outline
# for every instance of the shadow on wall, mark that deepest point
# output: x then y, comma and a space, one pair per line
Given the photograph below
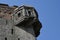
36, 26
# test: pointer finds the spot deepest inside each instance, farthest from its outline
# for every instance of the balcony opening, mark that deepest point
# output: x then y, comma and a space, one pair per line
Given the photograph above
29, 12
19, 14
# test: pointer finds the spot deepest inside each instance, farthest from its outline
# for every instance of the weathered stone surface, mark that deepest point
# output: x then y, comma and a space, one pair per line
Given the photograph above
18, 23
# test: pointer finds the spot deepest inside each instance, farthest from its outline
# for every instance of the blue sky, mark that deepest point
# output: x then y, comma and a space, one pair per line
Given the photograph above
49, 15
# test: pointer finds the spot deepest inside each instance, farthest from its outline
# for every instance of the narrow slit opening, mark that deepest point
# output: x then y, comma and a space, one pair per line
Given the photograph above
5, 38
11, 31
18, 38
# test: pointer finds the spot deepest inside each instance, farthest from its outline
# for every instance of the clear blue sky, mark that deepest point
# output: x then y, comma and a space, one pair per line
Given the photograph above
49, 15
